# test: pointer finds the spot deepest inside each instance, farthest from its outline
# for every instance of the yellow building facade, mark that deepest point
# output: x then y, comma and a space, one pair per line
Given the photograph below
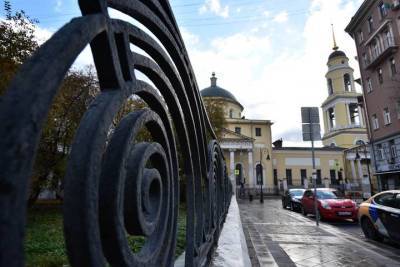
253, 161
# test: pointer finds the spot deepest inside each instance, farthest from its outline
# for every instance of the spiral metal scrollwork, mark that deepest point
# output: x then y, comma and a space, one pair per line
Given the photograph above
118, 185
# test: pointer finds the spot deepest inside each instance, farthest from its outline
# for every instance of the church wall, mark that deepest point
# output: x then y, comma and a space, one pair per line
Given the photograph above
346, 140
298, 160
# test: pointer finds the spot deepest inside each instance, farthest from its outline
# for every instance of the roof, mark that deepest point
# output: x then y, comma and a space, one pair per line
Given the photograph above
215, 91
326, 148
337, 53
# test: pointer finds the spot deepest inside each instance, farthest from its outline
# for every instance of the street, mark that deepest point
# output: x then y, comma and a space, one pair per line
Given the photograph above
279, 237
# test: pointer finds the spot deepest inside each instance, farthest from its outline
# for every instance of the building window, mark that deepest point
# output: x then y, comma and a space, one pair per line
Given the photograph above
347, 82
258, 131
275, 177
380, 75
398, 108
375, 122
331, 117
393, 149
239, 174
319, 179
238, 130
303, 174
380, 152
330, 86
360, 36
230, 113
393, 70
388, 38
354, 114
259, 174
376, 50
365, 59
289, 176
332, 173
370, 24
382, 10
386, 116
369, 85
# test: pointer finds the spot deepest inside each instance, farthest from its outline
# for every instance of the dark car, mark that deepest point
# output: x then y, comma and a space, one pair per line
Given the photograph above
379, 216
292, 198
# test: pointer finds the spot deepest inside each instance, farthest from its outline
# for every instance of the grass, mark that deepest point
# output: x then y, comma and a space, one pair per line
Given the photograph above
45, 246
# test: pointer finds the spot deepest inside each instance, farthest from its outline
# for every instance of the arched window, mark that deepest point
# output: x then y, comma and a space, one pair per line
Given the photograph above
239, 174
230, 113
347, 82
330, 86
259, 174
331, 117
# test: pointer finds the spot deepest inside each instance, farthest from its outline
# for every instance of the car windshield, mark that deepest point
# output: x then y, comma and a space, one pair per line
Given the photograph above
296, 193
326, 195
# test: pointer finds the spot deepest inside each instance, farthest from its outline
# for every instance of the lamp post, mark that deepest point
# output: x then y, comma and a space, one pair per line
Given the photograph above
367, 161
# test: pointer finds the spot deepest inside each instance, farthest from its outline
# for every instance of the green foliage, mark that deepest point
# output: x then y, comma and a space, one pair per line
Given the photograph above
215, 111
17, 43
44, 242
45, 246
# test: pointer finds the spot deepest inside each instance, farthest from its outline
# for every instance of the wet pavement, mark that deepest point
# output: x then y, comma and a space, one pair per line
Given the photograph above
278, 237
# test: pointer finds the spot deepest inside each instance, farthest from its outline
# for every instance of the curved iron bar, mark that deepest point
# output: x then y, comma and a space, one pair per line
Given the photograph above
115, 185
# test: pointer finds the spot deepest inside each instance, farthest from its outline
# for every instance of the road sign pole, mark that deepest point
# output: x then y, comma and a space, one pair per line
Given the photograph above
312, 132
314, 176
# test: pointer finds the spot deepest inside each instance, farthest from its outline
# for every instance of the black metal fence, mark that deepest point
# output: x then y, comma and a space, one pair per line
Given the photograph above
110, 190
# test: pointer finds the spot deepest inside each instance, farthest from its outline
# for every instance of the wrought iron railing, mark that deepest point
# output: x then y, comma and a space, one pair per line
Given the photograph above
110, 190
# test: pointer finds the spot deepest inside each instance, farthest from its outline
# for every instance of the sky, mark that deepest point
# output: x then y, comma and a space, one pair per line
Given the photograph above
271, 54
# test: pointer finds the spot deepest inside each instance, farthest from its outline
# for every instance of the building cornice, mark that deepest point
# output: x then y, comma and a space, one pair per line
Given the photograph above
360, 14
341, 97
360, 130
246, 121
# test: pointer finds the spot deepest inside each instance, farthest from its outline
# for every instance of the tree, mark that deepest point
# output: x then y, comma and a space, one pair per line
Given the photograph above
17, 43
77, 91
216, 114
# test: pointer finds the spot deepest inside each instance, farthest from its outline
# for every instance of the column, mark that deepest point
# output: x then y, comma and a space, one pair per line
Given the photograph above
360, 115
232, 168
360, 172
251, 180
353, 169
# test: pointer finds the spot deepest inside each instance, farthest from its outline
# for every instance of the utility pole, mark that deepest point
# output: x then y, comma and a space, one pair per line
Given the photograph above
314, 174
261, 179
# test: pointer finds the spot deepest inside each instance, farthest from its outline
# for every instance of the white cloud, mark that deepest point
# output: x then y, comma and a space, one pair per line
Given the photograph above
214, 6
281, 17
58, 5
267, 13
190, 38
274, 80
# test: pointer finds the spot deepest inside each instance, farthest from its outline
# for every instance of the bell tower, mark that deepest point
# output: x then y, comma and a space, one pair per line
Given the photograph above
343, 118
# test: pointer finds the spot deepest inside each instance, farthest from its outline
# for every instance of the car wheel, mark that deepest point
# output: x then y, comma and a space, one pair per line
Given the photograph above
291, 206
303, 211
369, 230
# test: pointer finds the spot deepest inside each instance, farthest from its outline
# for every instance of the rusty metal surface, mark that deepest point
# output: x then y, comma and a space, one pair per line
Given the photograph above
116, 185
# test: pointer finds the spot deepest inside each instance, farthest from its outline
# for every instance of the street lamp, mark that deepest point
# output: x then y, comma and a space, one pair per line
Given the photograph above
367, 161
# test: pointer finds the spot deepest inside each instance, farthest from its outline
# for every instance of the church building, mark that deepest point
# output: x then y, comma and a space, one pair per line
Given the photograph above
254, 161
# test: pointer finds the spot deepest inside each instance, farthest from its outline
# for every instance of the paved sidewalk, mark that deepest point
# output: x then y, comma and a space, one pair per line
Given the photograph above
277, 237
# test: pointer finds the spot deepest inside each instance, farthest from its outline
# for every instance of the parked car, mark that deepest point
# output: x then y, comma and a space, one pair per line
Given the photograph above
380, 216
329, 205
292, 198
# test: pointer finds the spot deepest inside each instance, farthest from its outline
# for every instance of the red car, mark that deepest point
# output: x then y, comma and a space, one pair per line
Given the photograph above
330, 206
